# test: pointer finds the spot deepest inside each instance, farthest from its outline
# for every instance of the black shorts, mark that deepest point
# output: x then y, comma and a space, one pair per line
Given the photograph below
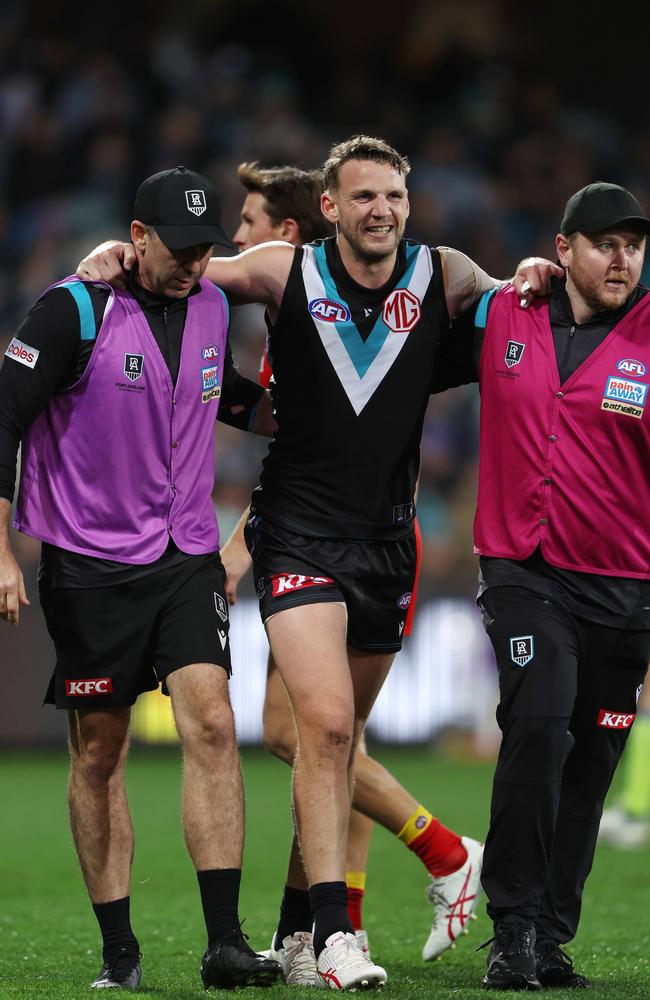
374, 580
113, 643
553, 664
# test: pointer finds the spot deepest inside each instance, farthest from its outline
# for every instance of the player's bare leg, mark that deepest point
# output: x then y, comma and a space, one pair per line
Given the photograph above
213, 821
99, 812
213, 797
103, 834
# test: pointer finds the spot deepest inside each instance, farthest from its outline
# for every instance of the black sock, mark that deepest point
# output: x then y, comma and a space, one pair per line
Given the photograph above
115, 924
329, 904
220, 898
295, 914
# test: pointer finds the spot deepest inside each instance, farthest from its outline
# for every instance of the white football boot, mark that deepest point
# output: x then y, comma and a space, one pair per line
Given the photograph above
362, 941
343, 966
296, 956
454, 899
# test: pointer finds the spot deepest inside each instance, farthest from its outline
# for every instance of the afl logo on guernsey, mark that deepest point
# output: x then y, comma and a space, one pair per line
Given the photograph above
210, 352
401, 310
632, 367
329, 310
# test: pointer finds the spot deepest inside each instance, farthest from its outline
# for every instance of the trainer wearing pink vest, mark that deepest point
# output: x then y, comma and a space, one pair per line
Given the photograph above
563, 534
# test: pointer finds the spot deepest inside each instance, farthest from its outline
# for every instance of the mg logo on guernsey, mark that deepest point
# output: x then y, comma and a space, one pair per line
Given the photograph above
401, 310
514, 353
615, 720
133, 365
329, 310
96, 685
196, 202
522, 649
286, 583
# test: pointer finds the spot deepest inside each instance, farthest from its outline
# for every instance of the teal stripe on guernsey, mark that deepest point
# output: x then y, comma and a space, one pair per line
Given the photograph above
362, 353
79, 293
480, 320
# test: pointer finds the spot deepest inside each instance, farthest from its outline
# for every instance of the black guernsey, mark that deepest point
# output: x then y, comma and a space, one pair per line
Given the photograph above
353, 370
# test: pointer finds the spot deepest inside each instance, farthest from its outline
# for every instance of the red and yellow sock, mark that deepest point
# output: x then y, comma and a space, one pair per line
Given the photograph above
356, 883
438, 848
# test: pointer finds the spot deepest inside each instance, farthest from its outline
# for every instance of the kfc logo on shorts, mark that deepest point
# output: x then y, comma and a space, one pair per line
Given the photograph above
404, 601
133, 365
286, 583
514, 353
96, 685
401, 311
615, 720
522, 649
196, 202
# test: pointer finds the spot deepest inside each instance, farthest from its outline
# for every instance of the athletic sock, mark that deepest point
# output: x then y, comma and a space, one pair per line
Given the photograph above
220, 899
438, 848
295, 914
115, 925
636, 779
356, 884
329, 905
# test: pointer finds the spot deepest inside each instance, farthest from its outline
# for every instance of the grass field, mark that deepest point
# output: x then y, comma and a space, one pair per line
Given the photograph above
49, 945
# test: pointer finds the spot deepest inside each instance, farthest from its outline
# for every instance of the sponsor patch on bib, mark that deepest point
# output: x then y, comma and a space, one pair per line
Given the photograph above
624, 395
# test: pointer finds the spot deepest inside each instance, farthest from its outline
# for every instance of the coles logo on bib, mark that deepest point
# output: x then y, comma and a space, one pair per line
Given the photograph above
401, 310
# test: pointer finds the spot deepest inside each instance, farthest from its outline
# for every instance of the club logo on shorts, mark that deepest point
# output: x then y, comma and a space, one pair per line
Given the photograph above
210, 388
629, 366
95, 685
615, 720
195, 201
329, 310
286, 583
404, 601
133, 365
22, 353
514, 353
210, 352
401, 310
624, 395
522, 649
220, 607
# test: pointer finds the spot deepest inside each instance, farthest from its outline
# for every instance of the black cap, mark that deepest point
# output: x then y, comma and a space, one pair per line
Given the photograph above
182, 207
601, 206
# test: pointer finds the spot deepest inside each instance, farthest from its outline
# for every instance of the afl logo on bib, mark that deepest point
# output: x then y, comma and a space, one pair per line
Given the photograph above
329, 310
401, 310
631, 367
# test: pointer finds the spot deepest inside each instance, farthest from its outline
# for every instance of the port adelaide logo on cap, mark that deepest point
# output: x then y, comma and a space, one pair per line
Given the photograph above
196, 202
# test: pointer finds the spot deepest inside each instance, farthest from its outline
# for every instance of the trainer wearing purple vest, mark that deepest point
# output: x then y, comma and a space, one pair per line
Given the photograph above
563, 536
114, 394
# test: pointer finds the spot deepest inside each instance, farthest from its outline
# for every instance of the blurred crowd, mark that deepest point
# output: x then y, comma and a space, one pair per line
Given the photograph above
498, 131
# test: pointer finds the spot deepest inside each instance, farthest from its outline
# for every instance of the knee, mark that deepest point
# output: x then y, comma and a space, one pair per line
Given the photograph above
98, 760
212, 729
328, 734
